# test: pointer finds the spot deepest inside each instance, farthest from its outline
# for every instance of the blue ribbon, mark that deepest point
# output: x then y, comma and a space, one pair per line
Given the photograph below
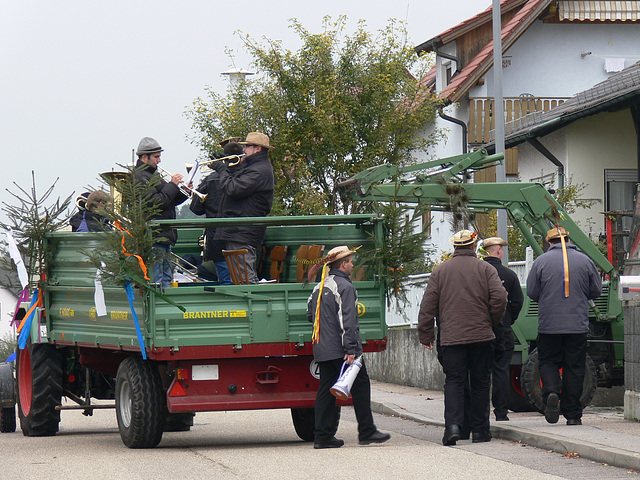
129, 289
26, 329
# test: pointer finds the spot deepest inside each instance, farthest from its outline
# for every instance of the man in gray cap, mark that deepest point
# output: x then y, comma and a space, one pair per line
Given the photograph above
165, 195
504, 342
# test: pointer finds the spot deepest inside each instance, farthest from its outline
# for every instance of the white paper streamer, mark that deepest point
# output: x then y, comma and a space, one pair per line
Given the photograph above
98, 296
17, 259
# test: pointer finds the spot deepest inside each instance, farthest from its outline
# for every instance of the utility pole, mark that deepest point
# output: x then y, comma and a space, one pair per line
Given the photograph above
498, 115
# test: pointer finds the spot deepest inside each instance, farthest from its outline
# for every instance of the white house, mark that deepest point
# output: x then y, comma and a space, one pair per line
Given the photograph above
7, 308
552, 50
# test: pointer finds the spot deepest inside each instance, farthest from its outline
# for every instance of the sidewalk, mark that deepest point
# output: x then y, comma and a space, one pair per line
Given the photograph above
605, 436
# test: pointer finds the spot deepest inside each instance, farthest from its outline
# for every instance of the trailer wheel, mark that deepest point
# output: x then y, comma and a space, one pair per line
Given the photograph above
178, 422
140, 403
7, 398
517, 400
39, 374
8, 420
532, 385
304, 421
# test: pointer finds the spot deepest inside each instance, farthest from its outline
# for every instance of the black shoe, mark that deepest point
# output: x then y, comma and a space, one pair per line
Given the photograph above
375, 437
574, 421
552, 412
451, 435
483, 436
502, 418
331, 443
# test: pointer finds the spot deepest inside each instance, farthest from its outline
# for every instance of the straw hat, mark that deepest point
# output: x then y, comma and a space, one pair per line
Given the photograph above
463, 237
491, 241
339, 252
257, 138
334, 254
557, 232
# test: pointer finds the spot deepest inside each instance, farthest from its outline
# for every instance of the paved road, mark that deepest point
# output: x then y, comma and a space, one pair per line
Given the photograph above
263, 445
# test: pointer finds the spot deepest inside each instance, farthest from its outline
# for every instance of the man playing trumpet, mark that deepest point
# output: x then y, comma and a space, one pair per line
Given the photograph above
165, 195
210, 186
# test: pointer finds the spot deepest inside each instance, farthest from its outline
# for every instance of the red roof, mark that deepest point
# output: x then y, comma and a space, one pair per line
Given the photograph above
483, 61
479, 19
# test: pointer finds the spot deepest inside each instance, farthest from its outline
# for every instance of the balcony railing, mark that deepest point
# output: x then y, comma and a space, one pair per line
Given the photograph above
519, 112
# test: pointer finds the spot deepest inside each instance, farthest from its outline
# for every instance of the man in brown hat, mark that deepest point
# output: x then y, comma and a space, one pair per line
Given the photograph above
336, 339
504, 343
468, 297
562, 281
247, 191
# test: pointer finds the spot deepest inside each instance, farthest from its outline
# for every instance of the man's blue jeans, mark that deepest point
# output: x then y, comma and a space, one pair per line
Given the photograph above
163, 269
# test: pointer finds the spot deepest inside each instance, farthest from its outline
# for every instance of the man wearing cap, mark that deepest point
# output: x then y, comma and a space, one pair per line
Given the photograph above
562, 281
336, 339
247, 191
468, 297
210, 186
164, 195
504, 342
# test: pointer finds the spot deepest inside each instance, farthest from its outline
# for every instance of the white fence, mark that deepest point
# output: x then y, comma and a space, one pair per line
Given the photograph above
406, 314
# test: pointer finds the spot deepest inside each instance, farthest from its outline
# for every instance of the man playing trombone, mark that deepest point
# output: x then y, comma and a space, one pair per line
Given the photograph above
166, 195
247, 189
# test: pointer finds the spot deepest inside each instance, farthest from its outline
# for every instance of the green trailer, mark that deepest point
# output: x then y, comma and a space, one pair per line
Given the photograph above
207, 348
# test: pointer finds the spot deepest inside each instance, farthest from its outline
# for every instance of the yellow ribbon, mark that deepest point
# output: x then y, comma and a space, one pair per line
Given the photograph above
315, 337
565, 262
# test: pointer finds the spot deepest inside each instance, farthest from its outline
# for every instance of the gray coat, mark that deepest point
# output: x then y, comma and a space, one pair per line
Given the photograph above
339, 326
545, 285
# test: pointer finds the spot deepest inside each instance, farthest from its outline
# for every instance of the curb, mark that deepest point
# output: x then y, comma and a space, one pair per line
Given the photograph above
591, 451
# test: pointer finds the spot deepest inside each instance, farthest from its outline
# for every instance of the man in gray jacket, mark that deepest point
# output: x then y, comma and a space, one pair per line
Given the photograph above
469, 299
562, 281
336, 339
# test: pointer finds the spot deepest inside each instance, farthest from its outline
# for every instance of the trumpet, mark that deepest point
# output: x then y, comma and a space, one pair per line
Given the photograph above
207, 163
184, 189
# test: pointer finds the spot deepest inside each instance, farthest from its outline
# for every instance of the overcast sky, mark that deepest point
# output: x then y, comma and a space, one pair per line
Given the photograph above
82, 82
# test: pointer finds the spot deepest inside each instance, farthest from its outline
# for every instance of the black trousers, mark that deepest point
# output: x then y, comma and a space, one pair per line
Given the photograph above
569, 352
462, 363
325, 409
500, 381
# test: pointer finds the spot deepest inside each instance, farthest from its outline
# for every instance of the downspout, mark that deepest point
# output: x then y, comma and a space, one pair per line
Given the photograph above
457, 122
635, 114
535, 143
453, 58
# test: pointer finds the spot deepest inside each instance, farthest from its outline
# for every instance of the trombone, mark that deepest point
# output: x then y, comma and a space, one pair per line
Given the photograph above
189, 192
207, 163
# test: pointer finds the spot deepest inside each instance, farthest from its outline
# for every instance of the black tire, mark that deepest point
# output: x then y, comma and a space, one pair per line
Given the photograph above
517, 400
532, 388
304, 421
178, 422
39, 374
8, 420
140, 403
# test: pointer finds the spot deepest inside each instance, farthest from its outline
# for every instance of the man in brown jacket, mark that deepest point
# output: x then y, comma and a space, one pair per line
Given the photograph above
468, 297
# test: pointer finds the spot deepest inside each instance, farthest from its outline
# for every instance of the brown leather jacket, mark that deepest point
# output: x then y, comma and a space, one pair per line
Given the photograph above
467, 296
